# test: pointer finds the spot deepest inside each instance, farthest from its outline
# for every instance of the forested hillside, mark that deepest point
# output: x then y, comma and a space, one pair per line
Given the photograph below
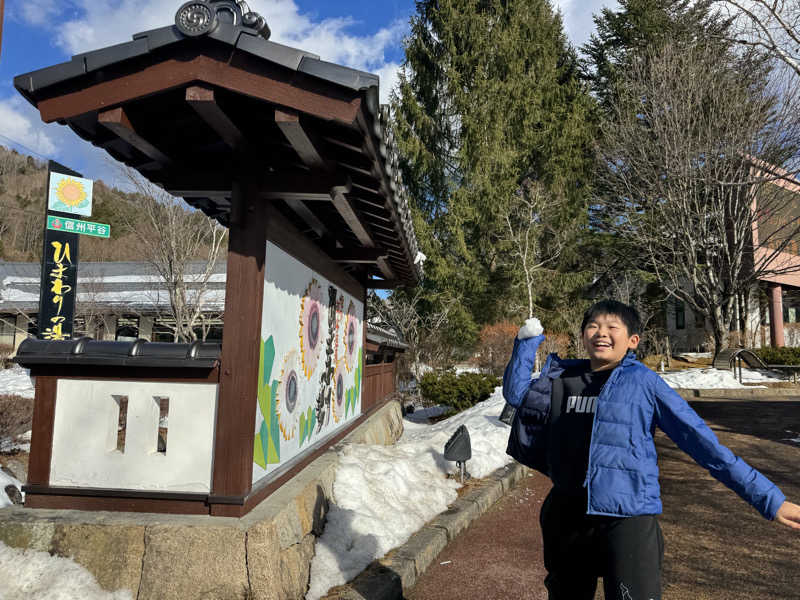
23, 182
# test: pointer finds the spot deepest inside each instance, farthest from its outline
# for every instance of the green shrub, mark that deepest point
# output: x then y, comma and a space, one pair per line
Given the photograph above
779, 356
459, 391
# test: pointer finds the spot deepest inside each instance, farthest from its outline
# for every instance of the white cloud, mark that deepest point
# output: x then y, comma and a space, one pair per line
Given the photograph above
578, 15
20, 122
36, 12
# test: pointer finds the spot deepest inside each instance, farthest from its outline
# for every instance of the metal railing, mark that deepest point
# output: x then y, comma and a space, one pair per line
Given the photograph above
743, 354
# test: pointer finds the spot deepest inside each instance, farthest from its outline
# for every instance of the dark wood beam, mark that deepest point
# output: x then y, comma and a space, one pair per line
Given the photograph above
386, 270
310, 219
358, 255
382, 284
348, 213
201, 99
292, 186
116, 120
301, 138
250, 75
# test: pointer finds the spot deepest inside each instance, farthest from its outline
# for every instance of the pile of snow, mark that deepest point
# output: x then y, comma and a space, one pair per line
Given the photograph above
384, 494
717, 379
32, 574
16, 381
5, 480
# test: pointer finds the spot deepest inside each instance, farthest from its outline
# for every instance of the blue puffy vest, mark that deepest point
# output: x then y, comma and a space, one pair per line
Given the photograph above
622, 477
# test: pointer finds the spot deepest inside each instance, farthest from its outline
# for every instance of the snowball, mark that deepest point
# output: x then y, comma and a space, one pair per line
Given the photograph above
531, 328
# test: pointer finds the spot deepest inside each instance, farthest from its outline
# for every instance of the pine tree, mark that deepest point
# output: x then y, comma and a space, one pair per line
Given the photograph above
624, 36
489, 99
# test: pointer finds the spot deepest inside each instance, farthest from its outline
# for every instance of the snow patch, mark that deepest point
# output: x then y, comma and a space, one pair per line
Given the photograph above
32, 574
384, 494
16, 381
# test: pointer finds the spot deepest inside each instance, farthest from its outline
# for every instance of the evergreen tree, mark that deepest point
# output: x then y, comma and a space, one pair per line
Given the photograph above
623, 36
489, 99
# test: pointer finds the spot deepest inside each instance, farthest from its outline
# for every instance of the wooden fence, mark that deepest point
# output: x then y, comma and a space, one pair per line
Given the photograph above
378, 383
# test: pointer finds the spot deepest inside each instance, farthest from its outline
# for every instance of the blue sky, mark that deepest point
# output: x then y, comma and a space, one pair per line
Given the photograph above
365, 35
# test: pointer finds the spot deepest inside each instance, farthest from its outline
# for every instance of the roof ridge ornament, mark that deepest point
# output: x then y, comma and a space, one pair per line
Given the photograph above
201, 17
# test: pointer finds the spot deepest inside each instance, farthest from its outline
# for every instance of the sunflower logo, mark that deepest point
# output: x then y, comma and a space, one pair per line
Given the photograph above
71, 192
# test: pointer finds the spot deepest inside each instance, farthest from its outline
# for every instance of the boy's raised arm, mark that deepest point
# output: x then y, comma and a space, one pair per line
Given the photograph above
692, 435
517, 376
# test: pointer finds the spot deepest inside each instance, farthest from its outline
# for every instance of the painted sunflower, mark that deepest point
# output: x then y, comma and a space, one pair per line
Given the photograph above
351, 341
288, 401
338, 391
311, 327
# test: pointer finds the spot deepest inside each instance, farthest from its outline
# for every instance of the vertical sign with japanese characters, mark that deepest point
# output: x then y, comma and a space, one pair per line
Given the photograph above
59, 283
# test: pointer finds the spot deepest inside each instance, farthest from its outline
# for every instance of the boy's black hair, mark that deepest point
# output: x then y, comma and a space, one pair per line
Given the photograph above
627, 314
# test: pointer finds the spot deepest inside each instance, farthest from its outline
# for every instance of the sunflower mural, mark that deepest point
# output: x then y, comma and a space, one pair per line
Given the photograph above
267, 445
338, 392
309, 381
311, 323
289, 396
351, 341
70, 194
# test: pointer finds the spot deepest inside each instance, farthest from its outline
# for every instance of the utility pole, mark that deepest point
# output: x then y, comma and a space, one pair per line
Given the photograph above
2, 11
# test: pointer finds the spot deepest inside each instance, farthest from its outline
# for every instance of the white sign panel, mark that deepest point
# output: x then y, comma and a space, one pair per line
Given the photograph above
69, 194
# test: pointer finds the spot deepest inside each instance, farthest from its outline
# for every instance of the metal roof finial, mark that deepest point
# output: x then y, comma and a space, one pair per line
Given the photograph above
201, 17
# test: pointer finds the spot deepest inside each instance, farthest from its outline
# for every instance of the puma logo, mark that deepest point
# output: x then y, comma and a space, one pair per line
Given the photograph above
581, 404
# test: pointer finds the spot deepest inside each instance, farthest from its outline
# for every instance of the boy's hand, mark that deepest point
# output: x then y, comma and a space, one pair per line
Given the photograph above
531, 328
789, 514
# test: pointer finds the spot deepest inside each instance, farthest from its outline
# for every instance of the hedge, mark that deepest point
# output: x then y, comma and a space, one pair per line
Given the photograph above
779, 356
459, 391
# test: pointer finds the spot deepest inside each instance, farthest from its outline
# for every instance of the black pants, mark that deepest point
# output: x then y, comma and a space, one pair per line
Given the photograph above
578, 548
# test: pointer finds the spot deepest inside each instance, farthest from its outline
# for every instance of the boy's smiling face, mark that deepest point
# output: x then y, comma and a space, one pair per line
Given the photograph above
606, 339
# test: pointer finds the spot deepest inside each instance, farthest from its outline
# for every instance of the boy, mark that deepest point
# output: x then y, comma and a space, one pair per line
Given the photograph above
588, 425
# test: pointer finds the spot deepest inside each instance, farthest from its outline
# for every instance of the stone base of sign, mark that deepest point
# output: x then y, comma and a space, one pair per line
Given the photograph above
265, 555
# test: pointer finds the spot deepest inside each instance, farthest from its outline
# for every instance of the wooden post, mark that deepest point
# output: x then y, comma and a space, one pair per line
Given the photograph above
241, 339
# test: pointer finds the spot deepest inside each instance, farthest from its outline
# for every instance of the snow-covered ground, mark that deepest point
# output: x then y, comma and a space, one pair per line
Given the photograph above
710, 378
32, 574
16, 381
383, 494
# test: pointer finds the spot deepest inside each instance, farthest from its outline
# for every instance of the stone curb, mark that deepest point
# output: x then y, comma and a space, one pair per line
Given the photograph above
389, 577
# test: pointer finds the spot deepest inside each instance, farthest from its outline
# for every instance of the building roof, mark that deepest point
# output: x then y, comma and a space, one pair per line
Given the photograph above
133, 286
194, 105
109, 286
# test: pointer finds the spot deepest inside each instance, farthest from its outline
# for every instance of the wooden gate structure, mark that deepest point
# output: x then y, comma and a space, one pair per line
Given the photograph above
293, 155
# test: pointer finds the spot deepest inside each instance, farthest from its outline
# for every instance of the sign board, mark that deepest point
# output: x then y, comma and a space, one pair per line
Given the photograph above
59, 286
100, 230
69, 194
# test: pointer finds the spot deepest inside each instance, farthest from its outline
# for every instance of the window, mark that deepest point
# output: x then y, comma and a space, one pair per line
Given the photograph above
164, 330
127, 329
7, 327
680, 315
163, 422
122, 421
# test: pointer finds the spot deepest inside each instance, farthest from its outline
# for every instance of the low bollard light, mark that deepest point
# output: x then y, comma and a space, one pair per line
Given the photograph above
459, 449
